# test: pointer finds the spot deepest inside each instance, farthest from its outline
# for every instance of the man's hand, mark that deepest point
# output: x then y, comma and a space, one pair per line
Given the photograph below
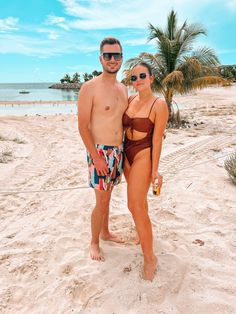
101, 166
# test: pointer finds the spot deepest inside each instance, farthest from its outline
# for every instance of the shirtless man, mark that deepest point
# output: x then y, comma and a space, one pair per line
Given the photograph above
102, 102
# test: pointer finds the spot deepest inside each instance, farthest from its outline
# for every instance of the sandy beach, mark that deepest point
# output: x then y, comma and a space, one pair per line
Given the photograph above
38, 102
45, 231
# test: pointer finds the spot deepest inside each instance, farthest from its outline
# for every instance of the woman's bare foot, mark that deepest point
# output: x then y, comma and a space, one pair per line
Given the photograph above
112, 237
149, 269
95, 253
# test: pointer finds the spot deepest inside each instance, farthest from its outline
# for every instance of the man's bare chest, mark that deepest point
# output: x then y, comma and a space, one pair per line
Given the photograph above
109, 102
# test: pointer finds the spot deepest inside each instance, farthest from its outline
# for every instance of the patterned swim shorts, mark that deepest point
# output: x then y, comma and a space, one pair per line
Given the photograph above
114, 158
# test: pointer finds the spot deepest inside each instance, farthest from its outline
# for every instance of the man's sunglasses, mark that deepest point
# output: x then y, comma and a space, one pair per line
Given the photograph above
134, 78
108, 55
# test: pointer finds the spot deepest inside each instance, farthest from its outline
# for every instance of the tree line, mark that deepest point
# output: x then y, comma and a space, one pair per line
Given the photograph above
76, 77
228, 72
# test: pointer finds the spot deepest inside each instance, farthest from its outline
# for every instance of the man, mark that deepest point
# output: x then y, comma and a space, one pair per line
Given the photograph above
102, 102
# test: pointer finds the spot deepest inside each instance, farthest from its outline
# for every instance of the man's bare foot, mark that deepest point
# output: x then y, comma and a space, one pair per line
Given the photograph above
95, 253
149, 269
112, 237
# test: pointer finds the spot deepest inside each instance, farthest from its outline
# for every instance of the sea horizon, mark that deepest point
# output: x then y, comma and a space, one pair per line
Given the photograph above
35, 92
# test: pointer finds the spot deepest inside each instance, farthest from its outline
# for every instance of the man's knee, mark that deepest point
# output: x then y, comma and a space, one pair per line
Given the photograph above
103, 200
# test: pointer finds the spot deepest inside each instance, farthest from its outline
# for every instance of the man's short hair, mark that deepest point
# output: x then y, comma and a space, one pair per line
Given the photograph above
110, 41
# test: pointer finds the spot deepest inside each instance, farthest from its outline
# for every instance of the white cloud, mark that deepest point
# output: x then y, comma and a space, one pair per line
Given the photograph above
41, 48
8, 24
135, 41
94, 15
52, 34
80, 67
227, 51
57, 20
231, 4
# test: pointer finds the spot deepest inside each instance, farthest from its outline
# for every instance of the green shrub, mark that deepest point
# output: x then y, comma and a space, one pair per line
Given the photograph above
230, 166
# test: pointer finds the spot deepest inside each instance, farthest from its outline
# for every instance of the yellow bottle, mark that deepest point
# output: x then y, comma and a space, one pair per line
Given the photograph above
156, 189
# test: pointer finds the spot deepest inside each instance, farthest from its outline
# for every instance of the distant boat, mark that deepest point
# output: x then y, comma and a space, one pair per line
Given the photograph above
23, 92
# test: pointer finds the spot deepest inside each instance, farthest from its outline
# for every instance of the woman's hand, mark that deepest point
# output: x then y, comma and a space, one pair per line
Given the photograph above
157, 178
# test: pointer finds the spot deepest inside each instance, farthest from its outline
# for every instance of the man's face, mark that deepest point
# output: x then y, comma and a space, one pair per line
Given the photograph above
111, 58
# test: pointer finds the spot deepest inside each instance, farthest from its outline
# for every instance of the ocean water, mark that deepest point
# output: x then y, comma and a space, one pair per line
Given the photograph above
38, 109
37, 91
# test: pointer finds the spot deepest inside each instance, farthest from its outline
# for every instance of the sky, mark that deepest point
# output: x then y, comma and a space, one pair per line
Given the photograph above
42, 40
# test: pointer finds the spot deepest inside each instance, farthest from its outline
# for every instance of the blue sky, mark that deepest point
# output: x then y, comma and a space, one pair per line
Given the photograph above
41, 40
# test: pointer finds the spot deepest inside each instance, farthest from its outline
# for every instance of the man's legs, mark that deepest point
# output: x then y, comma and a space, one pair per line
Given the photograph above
97, 218
106, 235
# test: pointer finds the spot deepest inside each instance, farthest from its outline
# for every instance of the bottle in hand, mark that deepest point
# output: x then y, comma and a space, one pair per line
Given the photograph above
156, 189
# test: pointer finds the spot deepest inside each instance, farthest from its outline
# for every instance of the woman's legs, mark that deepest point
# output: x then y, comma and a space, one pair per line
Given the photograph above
139, 179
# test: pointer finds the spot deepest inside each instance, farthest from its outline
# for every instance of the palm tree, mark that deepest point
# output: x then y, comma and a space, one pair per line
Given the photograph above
67, 78
76, 78
96, 73
87, 76
177, 67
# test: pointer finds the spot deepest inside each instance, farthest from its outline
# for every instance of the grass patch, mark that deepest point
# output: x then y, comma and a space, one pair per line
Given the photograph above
6, 156
2, 138
230, 166
18, 141
216, 149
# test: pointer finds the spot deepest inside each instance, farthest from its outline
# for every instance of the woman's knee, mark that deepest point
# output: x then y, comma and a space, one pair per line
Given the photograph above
135, 207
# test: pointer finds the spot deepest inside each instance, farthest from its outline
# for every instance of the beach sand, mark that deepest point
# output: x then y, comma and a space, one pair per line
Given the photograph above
44, 255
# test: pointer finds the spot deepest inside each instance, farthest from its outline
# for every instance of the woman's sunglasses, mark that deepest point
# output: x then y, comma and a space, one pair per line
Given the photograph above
108, 55
134, 78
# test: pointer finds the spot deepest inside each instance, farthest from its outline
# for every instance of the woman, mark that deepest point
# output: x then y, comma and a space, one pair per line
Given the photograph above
144, 122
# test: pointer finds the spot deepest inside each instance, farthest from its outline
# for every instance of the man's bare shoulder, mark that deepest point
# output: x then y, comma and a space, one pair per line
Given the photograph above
89, 84
122, 87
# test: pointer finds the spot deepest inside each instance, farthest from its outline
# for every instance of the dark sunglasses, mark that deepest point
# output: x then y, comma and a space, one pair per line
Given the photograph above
134, 78
108, 55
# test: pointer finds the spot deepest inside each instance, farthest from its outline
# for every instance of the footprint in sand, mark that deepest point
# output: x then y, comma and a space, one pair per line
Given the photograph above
82, 292
171, 273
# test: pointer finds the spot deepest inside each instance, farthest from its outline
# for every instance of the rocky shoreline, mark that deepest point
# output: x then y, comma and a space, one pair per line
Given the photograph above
66, 86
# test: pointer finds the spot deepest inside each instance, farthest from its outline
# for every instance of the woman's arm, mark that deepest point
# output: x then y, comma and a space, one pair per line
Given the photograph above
161, 118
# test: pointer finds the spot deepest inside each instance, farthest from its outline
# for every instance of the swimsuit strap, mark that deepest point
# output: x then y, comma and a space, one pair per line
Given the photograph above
132, 99
152, 107
130, 102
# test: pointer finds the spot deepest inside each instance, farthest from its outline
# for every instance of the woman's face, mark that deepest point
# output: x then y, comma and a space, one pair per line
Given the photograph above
140, 78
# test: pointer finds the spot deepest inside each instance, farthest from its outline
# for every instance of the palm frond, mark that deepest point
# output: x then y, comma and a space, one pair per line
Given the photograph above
206, 56
174, 80
190, 67
171, 25
155, 33
202, 82
130, 63
187, 36
156, 62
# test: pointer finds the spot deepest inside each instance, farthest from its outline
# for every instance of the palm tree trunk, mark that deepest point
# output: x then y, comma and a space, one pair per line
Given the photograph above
168, 99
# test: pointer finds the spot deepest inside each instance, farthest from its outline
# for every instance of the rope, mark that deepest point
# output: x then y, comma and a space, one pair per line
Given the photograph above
11, 192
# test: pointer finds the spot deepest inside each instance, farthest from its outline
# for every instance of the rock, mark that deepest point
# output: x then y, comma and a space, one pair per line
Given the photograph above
66, 86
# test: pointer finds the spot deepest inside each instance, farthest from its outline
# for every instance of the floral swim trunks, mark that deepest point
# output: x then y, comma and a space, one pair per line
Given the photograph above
114, 158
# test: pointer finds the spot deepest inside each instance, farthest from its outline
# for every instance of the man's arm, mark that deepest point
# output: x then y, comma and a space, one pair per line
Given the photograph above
85, 104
